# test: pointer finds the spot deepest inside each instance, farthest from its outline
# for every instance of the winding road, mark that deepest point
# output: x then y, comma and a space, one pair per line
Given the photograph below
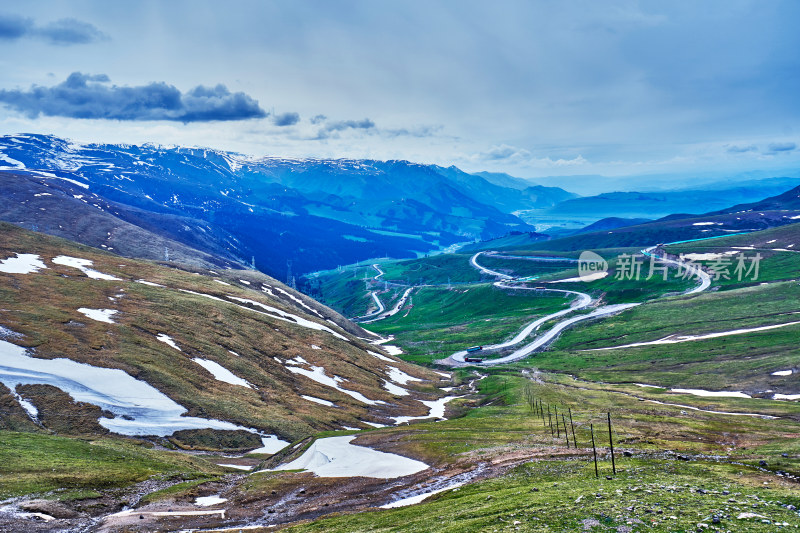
583, 301
393, 311
702, 275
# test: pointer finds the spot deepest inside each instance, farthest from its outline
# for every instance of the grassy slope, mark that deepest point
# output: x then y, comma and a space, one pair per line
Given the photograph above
346, 291
776, 247
437, 269
662, 494
443, 320
732, 362
37, 463
557, 491
42, 306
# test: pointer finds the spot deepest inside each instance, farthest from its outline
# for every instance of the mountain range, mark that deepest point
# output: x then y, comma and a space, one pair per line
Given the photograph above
263, 212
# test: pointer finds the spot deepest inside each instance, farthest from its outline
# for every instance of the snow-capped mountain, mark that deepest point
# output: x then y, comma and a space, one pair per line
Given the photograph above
315, 213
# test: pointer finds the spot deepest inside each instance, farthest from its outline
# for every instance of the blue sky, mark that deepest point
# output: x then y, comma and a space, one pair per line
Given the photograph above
532, 88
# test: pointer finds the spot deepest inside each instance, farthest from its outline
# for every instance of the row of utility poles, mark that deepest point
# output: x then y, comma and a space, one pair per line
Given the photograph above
550, 418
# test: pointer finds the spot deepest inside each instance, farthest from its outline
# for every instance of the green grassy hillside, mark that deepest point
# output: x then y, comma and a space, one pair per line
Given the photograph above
200, 312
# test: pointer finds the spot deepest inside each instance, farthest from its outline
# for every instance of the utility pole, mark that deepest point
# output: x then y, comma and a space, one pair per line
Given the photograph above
611, 444
594, 451
572, 425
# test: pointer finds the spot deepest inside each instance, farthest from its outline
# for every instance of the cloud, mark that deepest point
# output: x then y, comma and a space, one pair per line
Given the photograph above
70, 31
13, 27
60, 32
420, 131
334, 128
782, 147
733, 149
511, 155
504, 151
90, 97
316, 119
341, 125
286, 119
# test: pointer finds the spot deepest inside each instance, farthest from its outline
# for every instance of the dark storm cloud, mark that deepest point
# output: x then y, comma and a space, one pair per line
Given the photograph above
60, 32
781, 147
286, 119
91, 97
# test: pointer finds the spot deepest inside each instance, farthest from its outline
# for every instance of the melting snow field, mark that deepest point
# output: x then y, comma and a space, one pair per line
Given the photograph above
392, 350
138, 408
208, 501
394, 389
712, 394
708, 256
398, 376
436, 410
236, 467
336, 457
149, 283
786, 397
22, 264
317, 373
380, 356
221, 373
782, 373
270, 444
83, 265
411, 500
166, 339
318, 400
101, 315
288, 317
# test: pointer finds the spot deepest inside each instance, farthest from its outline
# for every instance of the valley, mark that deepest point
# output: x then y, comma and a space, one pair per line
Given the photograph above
194, 392
399, 267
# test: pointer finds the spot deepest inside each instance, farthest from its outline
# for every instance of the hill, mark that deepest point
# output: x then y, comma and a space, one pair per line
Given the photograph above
182, 350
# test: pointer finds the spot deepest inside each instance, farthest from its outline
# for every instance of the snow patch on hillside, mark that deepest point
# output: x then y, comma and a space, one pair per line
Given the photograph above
83, 265
398, 376
166, 339
279, 314
337, 457
221, 373
318, 400
394, 389
22, 264
317, 373
101, 315
138, 408
381, 357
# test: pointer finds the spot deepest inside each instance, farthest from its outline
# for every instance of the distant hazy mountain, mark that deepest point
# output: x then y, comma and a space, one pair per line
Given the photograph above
789, 200
315, 213
612, 223
659, 204
506, 180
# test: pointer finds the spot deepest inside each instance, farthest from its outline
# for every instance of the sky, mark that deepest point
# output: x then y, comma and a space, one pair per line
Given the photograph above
532, 88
